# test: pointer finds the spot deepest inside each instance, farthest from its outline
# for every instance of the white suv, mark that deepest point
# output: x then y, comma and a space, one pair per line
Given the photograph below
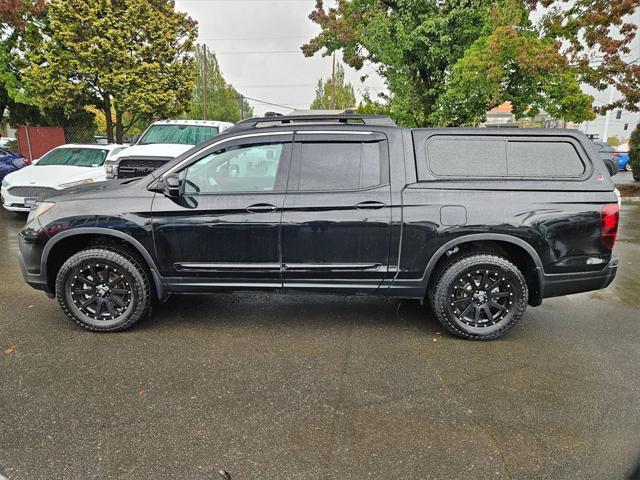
161, 142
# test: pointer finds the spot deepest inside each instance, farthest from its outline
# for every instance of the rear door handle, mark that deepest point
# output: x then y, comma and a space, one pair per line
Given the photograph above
261, 208
370, 206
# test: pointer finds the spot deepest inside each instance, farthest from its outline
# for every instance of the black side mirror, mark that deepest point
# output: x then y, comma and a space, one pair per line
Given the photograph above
134, 139
173, 186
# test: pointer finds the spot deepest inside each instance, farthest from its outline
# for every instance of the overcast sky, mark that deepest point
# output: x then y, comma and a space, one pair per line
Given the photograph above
258, 46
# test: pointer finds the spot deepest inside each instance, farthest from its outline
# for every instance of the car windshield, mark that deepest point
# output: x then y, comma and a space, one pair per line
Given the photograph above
76, 157
178, 134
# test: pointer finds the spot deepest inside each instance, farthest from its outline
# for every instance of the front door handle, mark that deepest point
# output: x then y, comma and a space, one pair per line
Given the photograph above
370, 206
261, 208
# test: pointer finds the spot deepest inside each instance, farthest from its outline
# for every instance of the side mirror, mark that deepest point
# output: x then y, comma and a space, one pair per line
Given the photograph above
134, 139
173, 186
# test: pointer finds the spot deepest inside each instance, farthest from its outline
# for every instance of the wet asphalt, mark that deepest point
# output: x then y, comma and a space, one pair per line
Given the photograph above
306, 387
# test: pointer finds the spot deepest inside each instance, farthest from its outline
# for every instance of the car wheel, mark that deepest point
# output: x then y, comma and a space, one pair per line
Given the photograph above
103, 290
480, 297
627, 167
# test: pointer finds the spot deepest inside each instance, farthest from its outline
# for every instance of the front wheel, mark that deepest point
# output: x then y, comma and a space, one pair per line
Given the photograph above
480, 297
103, 290
627, 167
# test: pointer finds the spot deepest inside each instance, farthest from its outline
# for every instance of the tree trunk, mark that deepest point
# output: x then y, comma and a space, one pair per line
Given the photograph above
119, 126
108, 119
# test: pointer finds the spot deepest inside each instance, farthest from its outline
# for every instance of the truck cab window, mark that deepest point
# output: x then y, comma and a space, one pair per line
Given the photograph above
251, 168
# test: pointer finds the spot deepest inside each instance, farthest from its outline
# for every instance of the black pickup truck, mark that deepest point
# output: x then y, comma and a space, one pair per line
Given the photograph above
478, 222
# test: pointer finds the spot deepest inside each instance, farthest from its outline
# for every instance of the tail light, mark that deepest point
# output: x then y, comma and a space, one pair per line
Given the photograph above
609, 219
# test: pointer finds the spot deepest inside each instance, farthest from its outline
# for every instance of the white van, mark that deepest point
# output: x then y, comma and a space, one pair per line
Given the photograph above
161, 142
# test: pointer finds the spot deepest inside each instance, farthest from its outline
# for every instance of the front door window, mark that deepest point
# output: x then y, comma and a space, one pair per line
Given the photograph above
251, 168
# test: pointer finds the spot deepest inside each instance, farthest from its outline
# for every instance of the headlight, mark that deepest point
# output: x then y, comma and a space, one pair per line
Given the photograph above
5, 183
109, 169
39, 209
75, 184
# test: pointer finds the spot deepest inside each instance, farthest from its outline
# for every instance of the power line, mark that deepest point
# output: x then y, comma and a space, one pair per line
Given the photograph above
286, 107
259, 53
221, 39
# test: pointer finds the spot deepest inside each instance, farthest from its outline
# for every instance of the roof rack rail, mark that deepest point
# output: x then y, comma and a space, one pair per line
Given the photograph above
340, 119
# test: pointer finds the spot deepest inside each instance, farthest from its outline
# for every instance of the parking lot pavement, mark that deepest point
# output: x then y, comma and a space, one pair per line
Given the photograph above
306, 387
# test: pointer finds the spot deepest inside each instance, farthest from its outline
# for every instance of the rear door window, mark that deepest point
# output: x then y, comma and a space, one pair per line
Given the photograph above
333, 166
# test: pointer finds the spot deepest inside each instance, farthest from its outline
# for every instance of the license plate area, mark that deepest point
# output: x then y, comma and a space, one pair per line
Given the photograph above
30, 201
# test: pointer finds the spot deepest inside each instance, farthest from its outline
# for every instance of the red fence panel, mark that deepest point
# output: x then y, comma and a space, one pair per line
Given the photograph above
34, 142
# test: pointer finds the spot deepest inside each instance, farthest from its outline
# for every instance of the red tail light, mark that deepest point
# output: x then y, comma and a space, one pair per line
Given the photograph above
609, 219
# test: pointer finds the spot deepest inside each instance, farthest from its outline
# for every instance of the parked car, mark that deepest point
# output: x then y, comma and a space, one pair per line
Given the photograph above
606, 152
621, 156
61, 168
160, 143
4, 141
10, 162
479, 223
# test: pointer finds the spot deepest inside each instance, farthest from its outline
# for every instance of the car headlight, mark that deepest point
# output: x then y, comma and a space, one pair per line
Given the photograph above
5, 183
39, 209
75, 184
110, 169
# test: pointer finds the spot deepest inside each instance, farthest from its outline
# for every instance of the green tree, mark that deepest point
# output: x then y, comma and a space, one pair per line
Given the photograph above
447, 62
634, 152
15, 17
132, 57
213, 98
344, 94
613, 141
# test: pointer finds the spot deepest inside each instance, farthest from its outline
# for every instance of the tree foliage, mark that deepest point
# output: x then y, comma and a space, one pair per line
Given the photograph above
344, 94
447, 62
15, 16
132, 57
596, 38
223, 102
634, 152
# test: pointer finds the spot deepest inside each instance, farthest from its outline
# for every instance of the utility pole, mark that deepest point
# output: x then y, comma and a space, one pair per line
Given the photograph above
607, 117
333, 83
241, 100
205, 81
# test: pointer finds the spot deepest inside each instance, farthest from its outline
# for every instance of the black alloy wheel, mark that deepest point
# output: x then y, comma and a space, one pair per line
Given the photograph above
479, 297
104, 290
101, 291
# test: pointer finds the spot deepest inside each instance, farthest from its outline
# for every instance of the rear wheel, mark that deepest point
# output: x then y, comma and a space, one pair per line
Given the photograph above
480, 297
103, 290
627, 167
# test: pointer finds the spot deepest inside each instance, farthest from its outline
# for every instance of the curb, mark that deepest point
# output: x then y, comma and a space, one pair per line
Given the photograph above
630, 199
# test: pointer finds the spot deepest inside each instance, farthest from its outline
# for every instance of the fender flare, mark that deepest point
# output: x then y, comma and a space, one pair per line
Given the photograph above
426, 277
159, 284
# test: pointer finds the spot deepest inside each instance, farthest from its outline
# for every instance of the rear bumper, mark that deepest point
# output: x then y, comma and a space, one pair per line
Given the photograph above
569, 283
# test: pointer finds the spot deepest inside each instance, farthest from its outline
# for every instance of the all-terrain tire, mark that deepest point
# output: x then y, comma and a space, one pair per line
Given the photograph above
108, 266
463, 280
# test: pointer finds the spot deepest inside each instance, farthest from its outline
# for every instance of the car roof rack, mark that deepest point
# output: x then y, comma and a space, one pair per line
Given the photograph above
276, 120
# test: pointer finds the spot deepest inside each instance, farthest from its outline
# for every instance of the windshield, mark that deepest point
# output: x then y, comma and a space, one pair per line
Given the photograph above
178, 134
76, 157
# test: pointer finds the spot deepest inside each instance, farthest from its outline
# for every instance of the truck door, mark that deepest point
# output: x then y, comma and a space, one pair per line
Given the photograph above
336, 222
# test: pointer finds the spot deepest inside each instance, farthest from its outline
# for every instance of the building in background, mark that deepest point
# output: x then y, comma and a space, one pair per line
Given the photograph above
621, 124
502, 115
